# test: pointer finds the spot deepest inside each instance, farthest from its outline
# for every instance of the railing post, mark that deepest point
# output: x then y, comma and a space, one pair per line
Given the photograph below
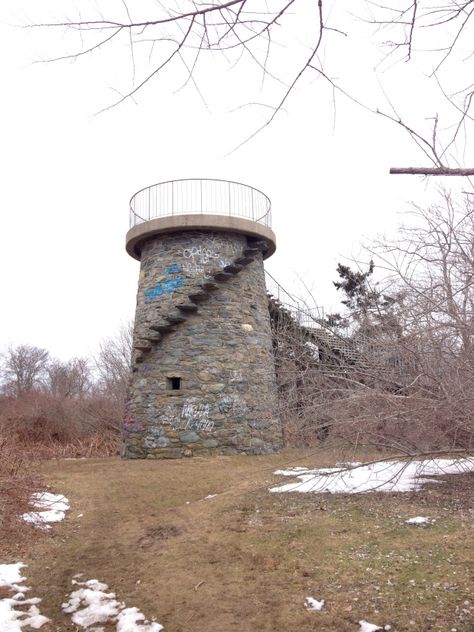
161, 201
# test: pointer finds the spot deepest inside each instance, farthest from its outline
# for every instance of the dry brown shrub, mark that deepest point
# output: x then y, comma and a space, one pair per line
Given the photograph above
18, 480
49, 426
400, 377
37, 426
91, 446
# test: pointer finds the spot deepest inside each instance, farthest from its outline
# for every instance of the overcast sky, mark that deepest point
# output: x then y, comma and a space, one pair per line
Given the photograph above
67, 174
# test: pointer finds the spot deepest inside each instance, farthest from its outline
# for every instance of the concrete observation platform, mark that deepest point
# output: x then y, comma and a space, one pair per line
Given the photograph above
183, 205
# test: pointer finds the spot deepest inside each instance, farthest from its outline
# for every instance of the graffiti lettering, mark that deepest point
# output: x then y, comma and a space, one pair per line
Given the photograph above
204, 255
172, 269
166, 286
196, 417
232, 405
191, 416
196, 257
199, 424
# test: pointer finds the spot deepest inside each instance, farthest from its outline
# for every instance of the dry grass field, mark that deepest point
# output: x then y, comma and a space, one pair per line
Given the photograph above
246, 559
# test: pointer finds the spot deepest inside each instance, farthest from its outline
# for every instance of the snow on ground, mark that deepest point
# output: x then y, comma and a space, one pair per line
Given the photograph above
313, 604
385, 476
365, 626
53, 509
16, 611
90, 605
420, 520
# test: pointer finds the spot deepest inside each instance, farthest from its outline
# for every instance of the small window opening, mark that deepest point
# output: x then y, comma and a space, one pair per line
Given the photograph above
173, 383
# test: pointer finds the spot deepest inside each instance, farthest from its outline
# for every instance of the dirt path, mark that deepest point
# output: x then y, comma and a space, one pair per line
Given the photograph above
246, 559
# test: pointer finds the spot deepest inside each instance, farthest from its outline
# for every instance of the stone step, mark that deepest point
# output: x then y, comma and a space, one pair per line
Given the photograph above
162, 328
222, 276
198, 296
142, 345
187, 307
208, 285
175, 319
243, 261
251, 252
261, 245
233, 268
152, 337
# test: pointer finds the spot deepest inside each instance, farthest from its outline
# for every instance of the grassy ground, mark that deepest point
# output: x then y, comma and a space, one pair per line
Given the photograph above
246, 559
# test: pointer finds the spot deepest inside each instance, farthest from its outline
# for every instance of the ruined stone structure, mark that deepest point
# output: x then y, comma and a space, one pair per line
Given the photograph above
203, 373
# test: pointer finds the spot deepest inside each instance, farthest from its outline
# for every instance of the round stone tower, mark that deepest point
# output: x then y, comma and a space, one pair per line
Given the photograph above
203, 373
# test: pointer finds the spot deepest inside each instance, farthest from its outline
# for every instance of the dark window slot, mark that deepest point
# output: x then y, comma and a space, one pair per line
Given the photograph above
173, 383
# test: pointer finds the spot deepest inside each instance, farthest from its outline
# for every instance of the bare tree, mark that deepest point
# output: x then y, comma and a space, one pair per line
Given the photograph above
433, 262
113, 365
406, 389
181, 36
24, 368
69, 379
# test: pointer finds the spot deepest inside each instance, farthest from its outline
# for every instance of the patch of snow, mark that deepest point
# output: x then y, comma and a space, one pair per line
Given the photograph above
210, 496
127, 621
365, 626
11, 574
14, 613
385, 476
419, 520
91, 604
313, 604
53, 509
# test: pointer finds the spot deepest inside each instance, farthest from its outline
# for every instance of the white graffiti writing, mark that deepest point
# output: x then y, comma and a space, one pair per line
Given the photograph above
196, 417
232, 405
236, 375
191, 416
203, 255
195, 258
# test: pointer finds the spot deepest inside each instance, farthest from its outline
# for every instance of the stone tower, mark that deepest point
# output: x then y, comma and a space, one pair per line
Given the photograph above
203, 373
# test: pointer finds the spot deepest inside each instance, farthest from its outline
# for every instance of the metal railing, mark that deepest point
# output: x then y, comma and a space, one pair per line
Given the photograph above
300, 312
196, 196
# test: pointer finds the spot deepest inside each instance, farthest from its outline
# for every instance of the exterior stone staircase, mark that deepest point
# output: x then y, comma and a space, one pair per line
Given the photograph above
332, 347
186, 300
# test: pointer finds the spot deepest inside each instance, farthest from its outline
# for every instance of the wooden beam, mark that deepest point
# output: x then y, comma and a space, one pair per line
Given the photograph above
431, 171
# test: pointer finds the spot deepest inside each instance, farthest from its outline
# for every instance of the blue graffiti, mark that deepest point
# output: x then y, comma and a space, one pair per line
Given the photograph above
166, 286
172, 269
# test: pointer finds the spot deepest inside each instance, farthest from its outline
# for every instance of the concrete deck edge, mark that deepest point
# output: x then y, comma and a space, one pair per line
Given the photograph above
175, 223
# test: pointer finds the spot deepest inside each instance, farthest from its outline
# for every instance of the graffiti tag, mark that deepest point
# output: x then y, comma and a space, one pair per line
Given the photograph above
129, 421
196, 417
166, 286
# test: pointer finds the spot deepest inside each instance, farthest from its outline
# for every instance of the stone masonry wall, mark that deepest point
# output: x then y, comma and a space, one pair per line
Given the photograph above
222, 355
